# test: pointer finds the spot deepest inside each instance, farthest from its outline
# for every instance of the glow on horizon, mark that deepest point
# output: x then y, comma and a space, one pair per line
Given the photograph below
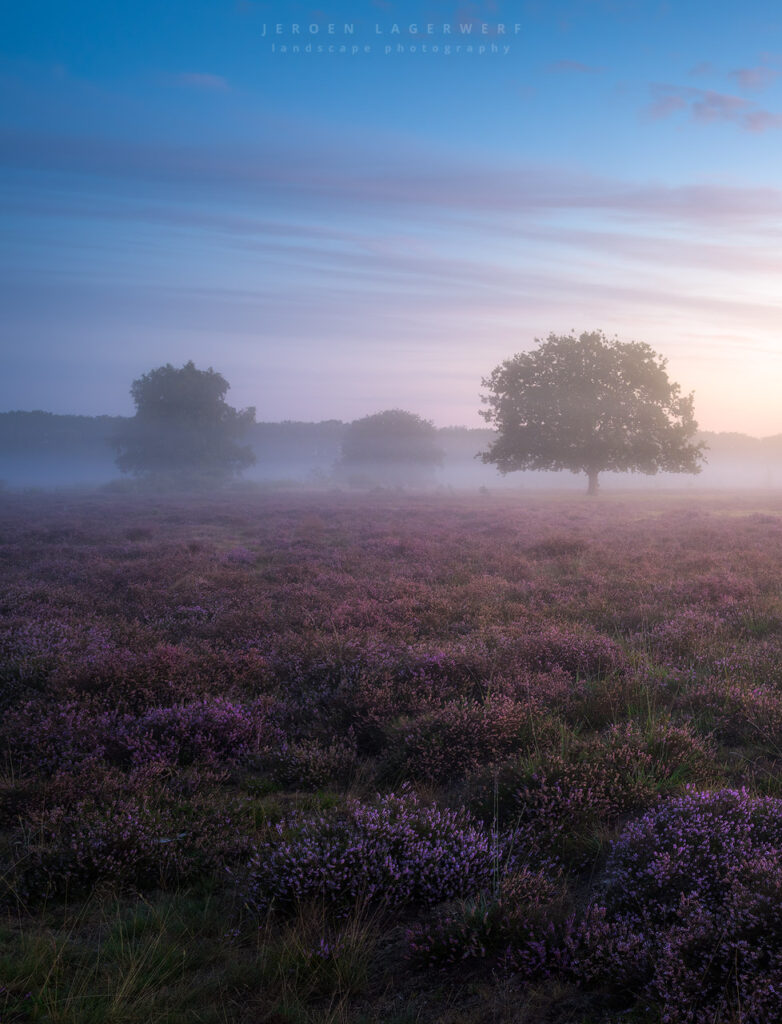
338, 238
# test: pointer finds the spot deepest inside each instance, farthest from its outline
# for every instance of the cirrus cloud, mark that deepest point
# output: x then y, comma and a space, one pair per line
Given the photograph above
202, 80
573, 65
708, 106
754, 78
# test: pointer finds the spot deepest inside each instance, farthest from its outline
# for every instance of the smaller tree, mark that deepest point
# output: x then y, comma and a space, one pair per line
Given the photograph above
393, 445
183, 426
588, 405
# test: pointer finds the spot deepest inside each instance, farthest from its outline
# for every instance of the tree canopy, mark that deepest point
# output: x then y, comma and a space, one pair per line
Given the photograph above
183, 426
394, 444
589, 404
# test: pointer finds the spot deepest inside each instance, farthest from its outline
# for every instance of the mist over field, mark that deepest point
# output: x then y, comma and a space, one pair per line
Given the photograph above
45, 451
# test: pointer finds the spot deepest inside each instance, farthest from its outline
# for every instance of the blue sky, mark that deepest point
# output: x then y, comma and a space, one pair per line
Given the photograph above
343, 232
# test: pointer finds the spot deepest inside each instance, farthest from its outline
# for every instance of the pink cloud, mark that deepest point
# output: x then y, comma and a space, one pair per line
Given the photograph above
573, 65
708, 106
369, 180
664, 106
754, 78
201, 80
717, 106
762, 120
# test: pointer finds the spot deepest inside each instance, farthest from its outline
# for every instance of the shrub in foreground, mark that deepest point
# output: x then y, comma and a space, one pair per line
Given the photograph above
561, 804
398, 851
523, 916
131, 843
693, 910
214, 730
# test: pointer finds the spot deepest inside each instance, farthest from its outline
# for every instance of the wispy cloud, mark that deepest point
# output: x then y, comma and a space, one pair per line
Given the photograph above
573, 66
707, 106
363, 180
753, 79
664, 104
202, 80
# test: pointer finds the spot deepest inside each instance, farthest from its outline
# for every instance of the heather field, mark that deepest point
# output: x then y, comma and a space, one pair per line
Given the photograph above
384, 759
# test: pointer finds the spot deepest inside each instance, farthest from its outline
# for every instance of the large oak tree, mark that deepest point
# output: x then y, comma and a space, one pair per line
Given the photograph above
589, 404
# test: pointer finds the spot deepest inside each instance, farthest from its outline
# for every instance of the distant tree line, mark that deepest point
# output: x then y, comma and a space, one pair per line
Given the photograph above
45, 432
40, 433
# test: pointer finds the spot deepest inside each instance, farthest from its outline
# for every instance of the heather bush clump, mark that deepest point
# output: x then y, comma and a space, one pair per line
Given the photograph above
311, 763
693, 910
582, 653
130, 842
36, 737
523, 915
459, 737
689, 637
737, 712
562, 805
395, 852
212, 730
691, 846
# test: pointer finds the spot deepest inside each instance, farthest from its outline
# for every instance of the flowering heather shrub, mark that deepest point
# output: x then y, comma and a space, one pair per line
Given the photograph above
29, 649
754, 660
352, 679
371, 678
560, 805
214, 730
565, 808
38, 738
692, 918
163, 673
689, 637
540, 692
562, 545
581, 652
460, 737
690, 845
457, 678
737, 712
131, 842
522, 916
310, 763
396, 852
693, 910
601, 948
374, 697
239, 556
724, 965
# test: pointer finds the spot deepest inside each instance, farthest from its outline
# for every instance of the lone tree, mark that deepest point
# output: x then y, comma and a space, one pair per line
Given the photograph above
183, 427
394, 444
589, 404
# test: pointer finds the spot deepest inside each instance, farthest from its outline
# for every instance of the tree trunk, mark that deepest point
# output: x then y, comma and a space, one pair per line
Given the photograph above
593, 488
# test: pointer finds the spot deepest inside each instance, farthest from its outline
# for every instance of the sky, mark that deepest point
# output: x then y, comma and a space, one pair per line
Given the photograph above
369, 205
